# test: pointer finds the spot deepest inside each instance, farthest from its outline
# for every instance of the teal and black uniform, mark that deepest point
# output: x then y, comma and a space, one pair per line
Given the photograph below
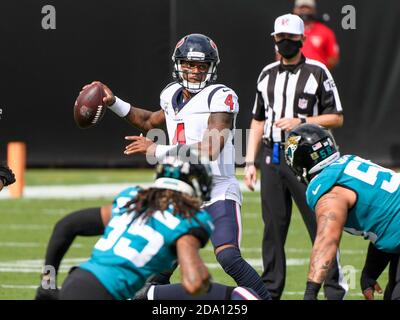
131, 250
376, 213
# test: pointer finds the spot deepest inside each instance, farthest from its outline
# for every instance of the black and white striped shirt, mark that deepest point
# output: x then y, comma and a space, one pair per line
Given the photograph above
298, 91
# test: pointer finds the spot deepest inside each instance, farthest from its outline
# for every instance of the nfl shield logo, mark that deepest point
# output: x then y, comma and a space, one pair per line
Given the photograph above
285, 22
303, 103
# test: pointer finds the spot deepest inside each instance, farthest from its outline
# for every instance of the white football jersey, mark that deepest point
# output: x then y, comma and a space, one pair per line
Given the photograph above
188, 125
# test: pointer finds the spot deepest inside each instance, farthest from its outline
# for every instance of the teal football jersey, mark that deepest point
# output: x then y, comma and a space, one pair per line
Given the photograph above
131, 250
376, 214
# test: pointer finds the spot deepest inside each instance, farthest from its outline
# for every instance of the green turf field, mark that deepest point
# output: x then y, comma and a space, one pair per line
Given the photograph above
25, 227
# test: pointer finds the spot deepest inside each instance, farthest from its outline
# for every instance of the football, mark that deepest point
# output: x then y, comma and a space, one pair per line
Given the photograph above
89, 108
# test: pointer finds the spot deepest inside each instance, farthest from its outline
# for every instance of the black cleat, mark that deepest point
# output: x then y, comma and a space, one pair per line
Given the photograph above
142, 293
47, 294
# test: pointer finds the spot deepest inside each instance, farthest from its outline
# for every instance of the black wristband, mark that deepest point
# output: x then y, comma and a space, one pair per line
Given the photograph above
303, 120
312, 289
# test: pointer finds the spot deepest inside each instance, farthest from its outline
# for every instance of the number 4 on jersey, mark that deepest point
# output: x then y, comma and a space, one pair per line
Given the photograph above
229, 101
179, 137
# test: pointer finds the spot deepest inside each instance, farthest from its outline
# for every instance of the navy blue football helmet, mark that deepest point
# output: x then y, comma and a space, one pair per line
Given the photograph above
195, 47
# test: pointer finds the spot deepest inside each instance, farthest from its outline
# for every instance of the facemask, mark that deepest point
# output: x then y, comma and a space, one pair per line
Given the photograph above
289, 48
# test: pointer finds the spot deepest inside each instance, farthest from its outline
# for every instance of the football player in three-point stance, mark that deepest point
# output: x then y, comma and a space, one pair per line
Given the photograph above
148, 230
196, 111
347, 193
145, 231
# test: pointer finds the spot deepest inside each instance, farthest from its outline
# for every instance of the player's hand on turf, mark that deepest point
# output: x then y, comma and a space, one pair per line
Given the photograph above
195, 277
287, 124
109, 98
250, 177
140, 144
197, 280
369, 286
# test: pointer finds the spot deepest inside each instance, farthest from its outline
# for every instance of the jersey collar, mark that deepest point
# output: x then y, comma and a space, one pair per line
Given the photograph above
293, 68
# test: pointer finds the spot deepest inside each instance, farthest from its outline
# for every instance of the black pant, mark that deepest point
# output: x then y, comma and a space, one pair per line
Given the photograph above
392, 290
83, 285
278, 186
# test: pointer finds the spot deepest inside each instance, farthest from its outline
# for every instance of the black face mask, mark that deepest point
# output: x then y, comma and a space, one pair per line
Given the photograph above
307, 17
289, 48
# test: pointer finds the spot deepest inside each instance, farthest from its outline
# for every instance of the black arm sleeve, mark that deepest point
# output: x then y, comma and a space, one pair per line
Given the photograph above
86, 222
375, 262
199, 233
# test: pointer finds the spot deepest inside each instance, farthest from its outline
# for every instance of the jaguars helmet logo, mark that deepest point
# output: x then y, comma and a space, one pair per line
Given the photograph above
291, 145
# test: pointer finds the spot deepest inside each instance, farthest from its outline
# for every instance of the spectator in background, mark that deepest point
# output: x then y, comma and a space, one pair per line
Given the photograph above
320, 43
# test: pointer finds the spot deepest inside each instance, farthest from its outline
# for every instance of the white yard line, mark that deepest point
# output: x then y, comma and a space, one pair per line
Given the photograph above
83, 191
71, 191
20, 286
31, 245
21, 244
24, 226
35, 265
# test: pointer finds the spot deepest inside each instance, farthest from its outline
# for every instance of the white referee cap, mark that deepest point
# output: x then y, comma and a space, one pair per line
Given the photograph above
288, 23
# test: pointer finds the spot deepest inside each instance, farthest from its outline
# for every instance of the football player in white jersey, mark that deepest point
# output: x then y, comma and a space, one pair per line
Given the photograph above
196, 111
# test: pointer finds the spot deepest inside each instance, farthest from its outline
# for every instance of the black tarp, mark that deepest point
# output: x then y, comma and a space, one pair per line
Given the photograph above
128, 45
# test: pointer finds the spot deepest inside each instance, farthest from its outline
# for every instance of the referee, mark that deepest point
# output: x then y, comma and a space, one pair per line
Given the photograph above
291, 91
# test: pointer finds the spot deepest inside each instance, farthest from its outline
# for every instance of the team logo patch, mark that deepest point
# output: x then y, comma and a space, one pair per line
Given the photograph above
303, 103
314, 155
291, 145
285, 22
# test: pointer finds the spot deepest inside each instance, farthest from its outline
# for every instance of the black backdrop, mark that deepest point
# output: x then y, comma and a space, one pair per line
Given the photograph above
128, 44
